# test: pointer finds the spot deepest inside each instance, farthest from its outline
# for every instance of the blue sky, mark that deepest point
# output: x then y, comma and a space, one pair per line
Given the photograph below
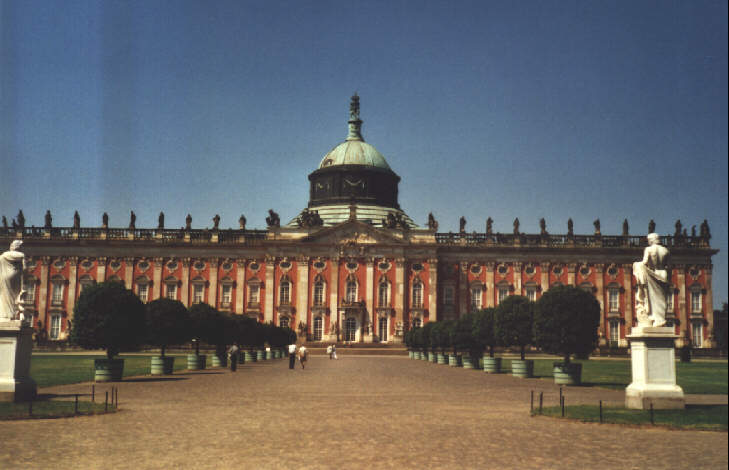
559, 109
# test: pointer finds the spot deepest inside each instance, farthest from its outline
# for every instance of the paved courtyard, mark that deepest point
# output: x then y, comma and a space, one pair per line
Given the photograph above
357, 412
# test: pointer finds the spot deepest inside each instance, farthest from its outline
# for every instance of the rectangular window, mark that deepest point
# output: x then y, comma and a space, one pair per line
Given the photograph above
613, 300
418, 295
503, 293
172, 291
253, 294
697, 330
449, 295
142, 292
476, 295
531, 293
351, 294
669, 302
225, 294
614, 333
55, 326
57, 294
29, 288
283, 322
285, 293
318, 294
696, 301
197, 293
382, 300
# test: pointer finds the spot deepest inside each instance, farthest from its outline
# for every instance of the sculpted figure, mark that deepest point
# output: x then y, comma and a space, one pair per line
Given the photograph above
543, 226
188, 222
77, 220
242, 222
49, 219
462, 225
216, 222
693, 231
516, 226
161, 221
132, 220
625, 228
651, 226
596, 223
104, 220
432, 223
12, 263
704, 230
570, 227
678, 226
653, 278
273, 219
21, 219
5, 222
489, 226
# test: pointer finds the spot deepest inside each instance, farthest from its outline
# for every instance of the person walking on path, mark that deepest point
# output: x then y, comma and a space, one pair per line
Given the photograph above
292, 355
233, 353
334, 351
302, 356
329, 351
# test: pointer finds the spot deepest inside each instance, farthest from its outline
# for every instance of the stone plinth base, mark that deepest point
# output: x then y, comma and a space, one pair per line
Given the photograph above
653, 364
16, 345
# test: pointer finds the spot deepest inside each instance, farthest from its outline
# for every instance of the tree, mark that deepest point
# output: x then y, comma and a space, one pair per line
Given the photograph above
462, 335
206, 324
720, 332
514, 322
168, 322
427, 328
483, 329
566, 320
108, 316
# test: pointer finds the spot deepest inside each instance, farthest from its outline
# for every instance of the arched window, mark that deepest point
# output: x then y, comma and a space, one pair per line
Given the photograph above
417, 294
318, 328
318, 292
383, 293
350, 295
284, 291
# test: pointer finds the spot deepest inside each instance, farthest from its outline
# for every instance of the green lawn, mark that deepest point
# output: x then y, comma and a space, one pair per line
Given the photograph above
699, 417
693, 377
48, 370
51, 409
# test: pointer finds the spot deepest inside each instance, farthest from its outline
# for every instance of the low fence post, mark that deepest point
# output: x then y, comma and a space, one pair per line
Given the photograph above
600, 411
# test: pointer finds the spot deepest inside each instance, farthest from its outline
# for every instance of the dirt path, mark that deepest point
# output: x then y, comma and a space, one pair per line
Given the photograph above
357, 412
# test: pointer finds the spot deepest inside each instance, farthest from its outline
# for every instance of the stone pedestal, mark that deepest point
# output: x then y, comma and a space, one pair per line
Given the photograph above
16, 345
653, 363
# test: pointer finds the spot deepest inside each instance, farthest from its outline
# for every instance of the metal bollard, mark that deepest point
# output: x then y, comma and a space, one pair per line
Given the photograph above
531, 403
93, 391
652, 422
75, 405
561, 403
106, 401
600, 411
541, 401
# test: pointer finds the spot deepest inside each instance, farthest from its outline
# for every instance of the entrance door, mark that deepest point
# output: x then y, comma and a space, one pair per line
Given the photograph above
382, 328
350, 329
317, 328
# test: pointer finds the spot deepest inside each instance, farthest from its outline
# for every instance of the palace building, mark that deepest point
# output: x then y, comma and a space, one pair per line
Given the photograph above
353, 265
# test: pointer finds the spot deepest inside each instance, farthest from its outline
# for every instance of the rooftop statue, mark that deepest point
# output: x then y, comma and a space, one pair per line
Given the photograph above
132, 220
242, 222
462, 225
678, 226
12, 263
5, 222
273, 220
77, 220
161, 221
652, 275
49, 219
432, 223
704, 230
651, 226
104, 220
188, 222
596, 223
20, 218
570, 227
625, 228
543, 226
216, 222
489, 226
516, 226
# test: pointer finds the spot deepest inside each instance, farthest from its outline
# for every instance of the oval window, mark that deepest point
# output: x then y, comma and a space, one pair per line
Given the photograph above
613, 271
115, 265
384, 266
253, 266
285, 264
143, 265
503, 269
530, 270
417, 267
227, 266
172, 266
475, 269
557, 270
320, 265
352, 266
199, 265
585, 271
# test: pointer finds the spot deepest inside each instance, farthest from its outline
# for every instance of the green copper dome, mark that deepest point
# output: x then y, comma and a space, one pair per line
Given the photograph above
354, 150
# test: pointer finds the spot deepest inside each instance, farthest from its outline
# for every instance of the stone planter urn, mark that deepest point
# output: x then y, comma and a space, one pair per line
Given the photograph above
218, 361
108, 370
260, 355
567, 374
491, 365
442, 358
250, 356
454, 360
522, 369
196, 361
467, 361
433, 357
162, 365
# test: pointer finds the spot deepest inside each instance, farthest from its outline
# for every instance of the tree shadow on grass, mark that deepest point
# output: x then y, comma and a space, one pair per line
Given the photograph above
152, 379
202, 373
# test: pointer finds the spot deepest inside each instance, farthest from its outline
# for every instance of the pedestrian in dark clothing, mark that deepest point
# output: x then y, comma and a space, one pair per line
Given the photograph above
233, 353
292, 356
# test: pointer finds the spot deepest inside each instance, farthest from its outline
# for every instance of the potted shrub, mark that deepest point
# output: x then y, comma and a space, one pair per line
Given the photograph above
418, 342
428, 344
108, 316
202, 317
449, 334
219, 333
566, 320
483, 331
408, 340
514, 326
168, 322
465, 342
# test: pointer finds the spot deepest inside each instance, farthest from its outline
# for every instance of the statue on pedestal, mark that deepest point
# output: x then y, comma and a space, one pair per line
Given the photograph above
12, 263
653, 277
242, 222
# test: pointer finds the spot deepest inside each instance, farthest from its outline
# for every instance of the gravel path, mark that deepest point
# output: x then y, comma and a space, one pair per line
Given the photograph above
357, 412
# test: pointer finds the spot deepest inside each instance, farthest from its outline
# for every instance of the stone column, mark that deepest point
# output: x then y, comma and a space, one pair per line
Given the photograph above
128, 272
240, 285
186, 281
334, 297
599, 285
302, 290
400, 302
571, 268
628, 287
432, 289
709, 308
490, 287
517, 279
101, 269
463, 289
544, 273
43, 291
682, 316
213, 290
72, 283
157, 278
370, 299
270, 289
